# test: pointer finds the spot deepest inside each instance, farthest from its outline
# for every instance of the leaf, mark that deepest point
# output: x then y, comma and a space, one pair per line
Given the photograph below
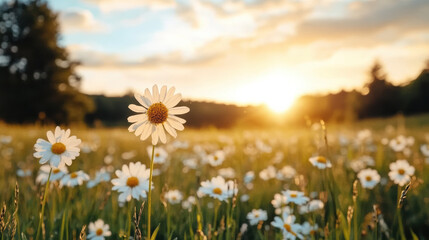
153, 237
345, 227
414, 235
23, 237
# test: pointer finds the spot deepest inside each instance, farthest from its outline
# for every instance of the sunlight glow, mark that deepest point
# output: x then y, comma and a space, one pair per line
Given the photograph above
278, 90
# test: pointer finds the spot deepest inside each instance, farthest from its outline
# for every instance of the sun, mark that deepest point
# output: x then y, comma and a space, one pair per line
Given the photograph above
276, 89
283, 89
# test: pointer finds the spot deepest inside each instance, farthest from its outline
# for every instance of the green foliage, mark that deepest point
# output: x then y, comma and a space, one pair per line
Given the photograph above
37, 79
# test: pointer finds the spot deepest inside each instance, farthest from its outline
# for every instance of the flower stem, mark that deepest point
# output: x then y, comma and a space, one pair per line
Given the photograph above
43, 206
398, 211
149, 197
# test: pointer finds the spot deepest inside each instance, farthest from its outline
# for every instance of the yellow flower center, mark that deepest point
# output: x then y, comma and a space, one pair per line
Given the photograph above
58, 148
56, 170
293, 195
401, 171
217, 191
312, 232
215, 158
256, 215
289, 229
368, 178
99, 232
132, 182
157, 113
73, 175
156, 154
174, 198
321, 160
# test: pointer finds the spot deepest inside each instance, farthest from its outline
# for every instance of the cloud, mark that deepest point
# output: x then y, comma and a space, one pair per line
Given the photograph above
79, 20
119, 5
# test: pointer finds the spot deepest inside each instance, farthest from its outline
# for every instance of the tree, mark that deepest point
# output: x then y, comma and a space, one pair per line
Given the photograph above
383, 98
37, 79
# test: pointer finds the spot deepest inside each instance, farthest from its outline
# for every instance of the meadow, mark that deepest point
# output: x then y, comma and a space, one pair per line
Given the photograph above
269, 168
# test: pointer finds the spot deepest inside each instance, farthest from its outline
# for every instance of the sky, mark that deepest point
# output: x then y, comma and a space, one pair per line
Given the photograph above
243, 51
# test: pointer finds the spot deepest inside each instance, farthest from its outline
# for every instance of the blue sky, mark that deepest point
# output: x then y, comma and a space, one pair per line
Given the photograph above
243, 51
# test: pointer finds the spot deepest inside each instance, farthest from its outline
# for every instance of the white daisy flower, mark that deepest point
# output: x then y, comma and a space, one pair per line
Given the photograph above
173, 196
279, 200
132, 181
425, 150
156, 114
189, 202
98, 230
289, 228
216, 158
287, 172
401, 172
227, 172
60, 150
249, 177
191, 163
320, 162
57, 174
308, 229
74, 179
160, 155
296, 197
101, 175
218, 188
268, 173
369, 178
398, 144
23, 172
315, 205
257, 215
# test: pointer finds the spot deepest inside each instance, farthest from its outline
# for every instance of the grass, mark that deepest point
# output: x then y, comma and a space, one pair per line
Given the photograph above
67, 209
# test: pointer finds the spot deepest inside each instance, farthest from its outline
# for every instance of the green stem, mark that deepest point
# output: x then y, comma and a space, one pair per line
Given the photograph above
130, 208
168, 222
149, 197
43, 206
398, 210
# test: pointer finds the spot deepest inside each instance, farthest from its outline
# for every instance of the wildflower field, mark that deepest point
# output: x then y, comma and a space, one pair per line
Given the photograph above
281, 191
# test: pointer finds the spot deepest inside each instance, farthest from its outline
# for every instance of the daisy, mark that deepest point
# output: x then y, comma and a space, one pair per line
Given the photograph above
191, 163
160, 155
216, 158
218, 188
268, 173
189, 202
369, 178
287, 172
257, 215
60, 150
290, 229
398, 144
312, 206
308, 229
173, 196
401, 172
227, 172
320, 162
279, 200
295, 197
425, 150
98, 230
156, 114
74, 179
101, 175
132, 181
249, 177
57, 174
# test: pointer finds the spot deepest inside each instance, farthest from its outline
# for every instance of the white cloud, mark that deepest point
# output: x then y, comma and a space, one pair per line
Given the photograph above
79, 20
122, 5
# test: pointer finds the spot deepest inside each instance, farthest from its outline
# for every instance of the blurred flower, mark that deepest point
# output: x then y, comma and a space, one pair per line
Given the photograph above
243, 228
132, 181
156, 114
248, 177
191, 163
61, 148
287, 172
244, 198
369, 178
312, 206
187, 203
173, 196
398, 144
425, 150
5, 139
401, 172
74, 179
320, 162
57, 174
308, 229
160, 155
289, 228
101, 175
279, 200
227, 172
218, 188
216, 158
296, 197
128, 155
98, 230
268, 173
23, 172
257, 215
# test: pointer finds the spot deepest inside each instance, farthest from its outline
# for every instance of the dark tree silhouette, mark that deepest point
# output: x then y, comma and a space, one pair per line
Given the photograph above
37, 79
